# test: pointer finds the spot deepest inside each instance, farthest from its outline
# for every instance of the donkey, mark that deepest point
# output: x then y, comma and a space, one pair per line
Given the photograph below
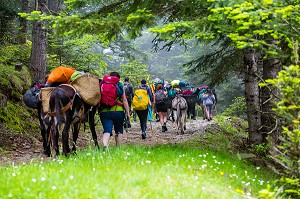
66, 106
180, 107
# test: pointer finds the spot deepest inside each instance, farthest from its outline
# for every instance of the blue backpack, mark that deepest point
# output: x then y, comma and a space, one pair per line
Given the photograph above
200, 94
172, 93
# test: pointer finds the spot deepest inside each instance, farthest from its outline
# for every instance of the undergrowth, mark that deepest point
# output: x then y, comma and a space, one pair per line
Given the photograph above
164, 171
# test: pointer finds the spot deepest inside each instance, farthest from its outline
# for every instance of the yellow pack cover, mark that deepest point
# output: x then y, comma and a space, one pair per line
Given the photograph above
140, 100
88, 87
61, 74
175, 83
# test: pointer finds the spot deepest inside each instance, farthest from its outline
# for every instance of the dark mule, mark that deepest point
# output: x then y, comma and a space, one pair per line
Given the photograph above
67, 107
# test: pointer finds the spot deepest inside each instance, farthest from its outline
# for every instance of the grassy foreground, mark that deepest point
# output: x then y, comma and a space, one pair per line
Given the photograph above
165, 171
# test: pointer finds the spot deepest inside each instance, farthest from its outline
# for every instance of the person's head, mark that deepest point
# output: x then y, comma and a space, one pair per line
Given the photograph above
143, 81
116, 74
126, 79
208, 91
159, 87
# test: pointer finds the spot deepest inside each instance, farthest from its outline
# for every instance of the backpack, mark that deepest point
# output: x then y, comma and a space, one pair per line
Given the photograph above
160, 96
127, 91
200, 94
172, 93
61, 74
30, 97
109, 90
140, 100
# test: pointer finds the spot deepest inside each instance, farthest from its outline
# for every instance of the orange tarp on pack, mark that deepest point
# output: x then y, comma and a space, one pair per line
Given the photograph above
61, 74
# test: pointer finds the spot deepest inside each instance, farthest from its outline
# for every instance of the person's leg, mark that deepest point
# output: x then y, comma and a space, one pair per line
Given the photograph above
105, 139
207, 112
118, 139
118, 118
210, 111
142, 115
144, 118
164, 120
161, 121
107, 127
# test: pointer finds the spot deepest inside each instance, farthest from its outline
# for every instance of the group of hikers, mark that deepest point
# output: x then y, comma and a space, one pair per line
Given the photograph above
119, 101
158, 95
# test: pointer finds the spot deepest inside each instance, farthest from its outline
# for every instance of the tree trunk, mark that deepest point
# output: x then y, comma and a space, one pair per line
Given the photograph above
39, 46
24, 24
269, 123
252, 61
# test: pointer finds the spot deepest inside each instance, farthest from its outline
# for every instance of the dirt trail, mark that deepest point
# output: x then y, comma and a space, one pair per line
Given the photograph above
20, 148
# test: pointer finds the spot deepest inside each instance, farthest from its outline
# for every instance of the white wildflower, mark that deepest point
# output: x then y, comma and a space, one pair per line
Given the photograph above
148, 161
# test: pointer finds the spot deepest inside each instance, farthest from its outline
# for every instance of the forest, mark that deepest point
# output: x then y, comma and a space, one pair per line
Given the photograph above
247, 50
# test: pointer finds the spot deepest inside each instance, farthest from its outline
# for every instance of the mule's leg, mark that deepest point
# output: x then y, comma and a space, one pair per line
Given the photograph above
182, 116
175, 118
55, 136
75, 137
92, 125
47, 149
65, 133
42, 127
184, 122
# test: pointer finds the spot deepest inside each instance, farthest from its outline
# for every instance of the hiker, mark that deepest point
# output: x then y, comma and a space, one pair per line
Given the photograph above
161, 108
208, 102
141, 103
128, 89
113, 116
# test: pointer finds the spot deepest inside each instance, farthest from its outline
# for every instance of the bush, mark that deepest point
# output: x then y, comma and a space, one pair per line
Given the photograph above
237, 108
287, 153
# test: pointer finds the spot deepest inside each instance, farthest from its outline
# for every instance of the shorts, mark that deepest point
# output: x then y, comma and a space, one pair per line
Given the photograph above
112, 119
161, 107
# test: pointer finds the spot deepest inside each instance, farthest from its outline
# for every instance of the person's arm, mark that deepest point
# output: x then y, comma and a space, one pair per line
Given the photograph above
213, 99
126, 106
150, 94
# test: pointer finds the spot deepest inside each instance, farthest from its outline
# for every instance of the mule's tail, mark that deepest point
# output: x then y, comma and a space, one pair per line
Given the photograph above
57, 109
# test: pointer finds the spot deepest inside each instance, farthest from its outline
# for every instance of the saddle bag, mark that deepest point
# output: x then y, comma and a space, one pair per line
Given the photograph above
88, 88
46, 93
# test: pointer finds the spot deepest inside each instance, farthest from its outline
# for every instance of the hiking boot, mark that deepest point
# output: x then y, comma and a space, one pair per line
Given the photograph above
105, 149
143, 135
164, 128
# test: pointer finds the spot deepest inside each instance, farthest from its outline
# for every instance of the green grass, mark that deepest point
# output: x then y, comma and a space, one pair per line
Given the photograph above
165, 171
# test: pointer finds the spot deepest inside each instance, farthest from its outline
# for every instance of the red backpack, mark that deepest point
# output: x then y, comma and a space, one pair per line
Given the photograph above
108, 87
